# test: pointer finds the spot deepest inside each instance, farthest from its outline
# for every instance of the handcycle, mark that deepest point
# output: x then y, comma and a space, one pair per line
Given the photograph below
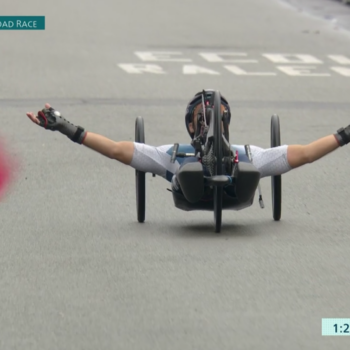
203, 182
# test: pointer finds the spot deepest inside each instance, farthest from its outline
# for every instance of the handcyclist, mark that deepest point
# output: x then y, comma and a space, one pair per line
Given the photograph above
156, 160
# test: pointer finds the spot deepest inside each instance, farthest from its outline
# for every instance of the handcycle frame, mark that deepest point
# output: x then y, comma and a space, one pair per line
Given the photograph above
213, 150
210, 138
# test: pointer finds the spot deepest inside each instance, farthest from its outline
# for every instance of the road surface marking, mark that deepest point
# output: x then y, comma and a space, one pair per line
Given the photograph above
342, 71
193, 69
292, 58
138, 68
161, 56
239, 71
218, 57
301, 71
340, 59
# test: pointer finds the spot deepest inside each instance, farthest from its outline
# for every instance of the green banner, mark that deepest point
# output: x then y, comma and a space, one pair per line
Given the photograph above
22, 22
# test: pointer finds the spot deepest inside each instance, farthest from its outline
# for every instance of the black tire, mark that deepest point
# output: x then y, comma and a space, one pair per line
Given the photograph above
140, 175
218, 152
276, 181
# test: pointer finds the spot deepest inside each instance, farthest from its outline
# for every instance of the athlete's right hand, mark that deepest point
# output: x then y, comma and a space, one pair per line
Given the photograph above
51, 119
44, 118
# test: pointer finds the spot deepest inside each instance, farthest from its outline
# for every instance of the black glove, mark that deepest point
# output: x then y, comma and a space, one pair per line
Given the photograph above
343, 136
52, 120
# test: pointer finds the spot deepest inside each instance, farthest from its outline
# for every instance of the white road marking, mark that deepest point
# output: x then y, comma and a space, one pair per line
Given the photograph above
340, 59
239, 71
161, 56
138, 68
342, 71
301, 71
292, 58
193, 69
295, 65
218, 57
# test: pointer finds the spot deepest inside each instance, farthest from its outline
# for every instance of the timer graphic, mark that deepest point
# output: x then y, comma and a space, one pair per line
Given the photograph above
336, 326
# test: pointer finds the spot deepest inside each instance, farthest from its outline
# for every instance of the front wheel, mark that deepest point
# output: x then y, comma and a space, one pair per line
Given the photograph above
218, 153
276, 181
140, 175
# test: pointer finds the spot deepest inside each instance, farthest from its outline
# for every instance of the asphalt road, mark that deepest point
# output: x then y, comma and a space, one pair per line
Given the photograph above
336, 12
76, 269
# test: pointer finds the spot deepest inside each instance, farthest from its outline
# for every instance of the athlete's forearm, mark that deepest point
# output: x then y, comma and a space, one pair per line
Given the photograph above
100, 144
121, 151
298, 155
320, 148
279, 160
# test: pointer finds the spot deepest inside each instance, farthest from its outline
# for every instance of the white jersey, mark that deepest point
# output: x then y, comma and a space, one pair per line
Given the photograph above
156, 160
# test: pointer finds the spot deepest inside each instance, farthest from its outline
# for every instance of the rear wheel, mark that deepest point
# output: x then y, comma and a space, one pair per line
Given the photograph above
276, 181
140, 175
218, 153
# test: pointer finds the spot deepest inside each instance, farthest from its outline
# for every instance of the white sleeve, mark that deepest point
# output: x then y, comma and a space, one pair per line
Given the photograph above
270, 161
152, 159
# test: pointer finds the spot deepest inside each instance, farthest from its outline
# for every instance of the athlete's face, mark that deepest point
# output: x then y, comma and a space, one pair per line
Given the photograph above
198, 109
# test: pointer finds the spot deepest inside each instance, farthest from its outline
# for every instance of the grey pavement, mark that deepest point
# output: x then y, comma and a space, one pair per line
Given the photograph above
78, 272
336, 12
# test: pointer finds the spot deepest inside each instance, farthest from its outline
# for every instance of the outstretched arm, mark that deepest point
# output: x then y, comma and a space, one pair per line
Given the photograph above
121, 151
142, 157
299, 155
279, 160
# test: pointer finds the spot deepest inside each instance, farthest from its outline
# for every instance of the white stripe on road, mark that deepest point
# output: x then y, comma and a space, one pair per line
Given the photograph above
161, 56
342, 71
301, 71
192, 69
292, 58
239, 71
339, 59
137, 68
232, 57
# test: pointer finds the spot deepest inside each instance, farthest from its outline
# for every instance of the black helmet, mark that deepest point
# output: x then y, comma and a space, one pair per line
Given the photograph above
198, 99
